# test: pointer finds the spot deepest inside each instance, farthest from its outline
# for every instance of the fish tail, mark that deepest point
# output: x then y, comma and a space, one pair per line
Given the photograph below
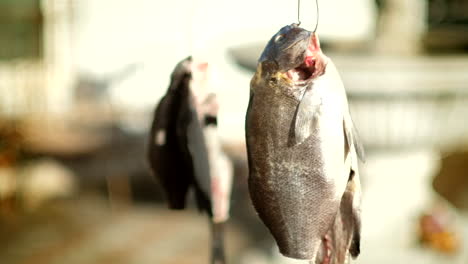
217, 249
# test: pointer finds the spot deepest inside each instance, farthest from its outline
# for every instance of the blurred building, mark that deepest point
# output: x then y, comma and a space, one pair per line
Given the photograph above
35, 61
47, 45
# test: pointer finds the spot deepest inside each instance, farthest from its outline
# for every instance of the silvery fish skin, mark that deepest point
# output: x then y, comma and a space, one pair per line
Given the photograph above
303, 149
184, 151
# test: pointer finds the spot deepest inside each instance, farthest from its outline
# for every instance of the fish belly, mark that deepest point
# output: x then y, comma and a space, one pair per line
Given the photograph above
293, 187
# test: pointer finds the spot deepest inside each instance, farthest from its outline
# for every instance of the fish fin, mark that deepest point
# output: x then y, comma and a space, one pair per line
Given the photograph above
344, 235
306, 115
353, 199
352, 138
355, 248
217, 240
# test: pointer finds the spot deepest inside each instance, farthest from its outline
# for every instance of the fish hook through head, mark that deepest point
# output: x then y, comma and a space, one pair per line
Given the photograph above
299, 14
317, 15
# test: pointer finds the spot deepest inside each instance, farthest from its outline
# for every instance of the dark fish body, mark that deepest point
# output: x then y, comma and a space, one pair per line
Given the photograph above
300, 153
169, 152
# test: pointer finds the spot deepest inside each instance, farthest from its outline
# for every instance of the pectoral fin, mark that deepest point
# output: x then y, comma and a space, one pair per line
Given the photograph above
352, 198
307, 113
352, 138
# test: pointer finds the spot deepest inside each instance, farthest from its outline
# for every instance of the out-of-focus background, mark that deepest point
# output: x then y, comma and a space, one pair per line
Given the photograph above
79, 80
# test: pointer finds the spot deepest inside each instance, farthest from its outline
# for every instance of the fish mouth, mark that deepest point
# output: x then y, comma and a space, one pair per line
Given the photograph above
304, 72
312, 66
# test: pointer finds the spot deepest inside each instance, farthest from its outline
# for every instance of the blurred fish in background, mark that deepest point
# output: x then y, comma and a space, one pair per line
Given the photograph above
184, 151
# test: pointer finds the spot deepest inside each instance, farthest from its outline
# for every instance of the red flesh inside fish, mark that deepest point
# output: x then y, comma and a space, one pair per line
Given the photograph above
313, 65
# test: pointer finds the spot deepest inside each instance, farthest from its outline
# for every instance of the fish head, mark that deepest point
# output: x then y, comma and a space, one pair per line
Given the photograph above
181, 75
189, 80
293, 56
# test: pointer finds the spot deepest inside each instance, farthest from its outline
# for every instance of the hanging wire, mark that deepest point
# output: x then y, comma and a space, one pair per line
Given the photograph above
317, 15
298, 12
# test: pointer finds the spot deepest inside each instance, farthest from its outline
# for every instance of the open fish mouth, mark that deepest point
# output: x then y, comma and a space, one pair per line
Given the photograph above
313, 65
302, 73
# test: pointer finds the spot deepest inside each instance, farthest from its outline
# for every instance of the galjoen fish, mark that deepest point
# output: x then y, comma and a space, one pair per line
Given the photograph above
303, 150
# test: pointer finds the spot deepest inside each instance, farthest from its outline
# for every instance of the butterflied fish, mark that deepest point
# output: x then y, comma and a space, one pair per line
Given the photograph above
303, 150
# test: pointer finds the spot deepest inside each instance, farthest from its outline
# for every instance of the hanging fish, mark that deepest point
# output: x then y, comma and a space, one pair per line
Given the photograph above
303, 150
184, 151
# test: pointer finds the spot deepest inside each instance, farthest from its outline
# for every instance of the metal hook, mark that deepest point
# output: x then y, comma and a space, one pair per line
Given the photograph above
317, 17
298, 12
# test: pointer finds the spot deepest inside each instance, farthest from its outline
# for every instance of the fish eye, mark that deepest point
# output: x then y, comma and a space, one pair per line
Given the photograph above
279, 37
